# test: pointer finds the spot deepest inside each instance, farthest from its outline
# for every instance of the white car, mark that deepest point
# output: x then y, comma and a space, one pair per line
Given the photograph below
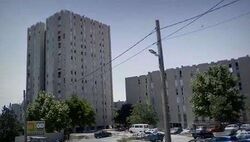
245, 127
232, 127
138, 128
151, 131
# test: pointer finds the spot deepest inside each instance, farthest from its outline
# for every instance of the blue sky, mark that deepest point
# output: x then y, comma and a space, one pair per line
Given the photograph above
129, 20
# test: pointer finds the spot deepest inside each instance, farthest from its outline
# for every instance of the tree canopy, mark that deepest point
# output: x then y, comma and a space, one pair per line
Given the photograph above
52, 111
9, 126
143, 113
123, 114
80, 111
216, 95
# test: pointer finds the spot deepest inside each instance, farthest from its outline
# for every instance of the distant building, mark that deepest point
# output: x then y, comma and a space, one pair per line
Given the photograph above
118, 105
68, 55
18, 110
146, 88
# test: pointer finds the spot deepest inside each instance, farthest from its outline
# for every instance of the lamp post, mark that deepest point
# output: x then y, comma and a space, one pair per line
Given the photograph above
164, 96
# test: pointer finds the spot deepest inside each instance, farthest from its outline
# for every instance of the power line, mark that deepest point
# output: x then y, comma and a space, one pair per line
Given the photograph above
225, 5
210, 26
119, 55
180, 28
195, 18
185, 34
134, 55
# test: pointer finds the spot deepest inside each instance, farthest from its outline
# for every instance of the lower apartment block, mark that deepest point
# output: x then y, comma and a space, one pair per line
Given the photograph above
146, 89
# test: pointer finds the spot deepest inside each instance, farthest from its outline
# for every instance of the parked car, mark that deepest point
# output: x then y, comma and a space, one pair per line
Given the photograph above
153, 137
224, 139
243, 137
136, 128
202, 133
150, 131
102, 133
245, 127
232, 127
186, 131
37, 139
176, 130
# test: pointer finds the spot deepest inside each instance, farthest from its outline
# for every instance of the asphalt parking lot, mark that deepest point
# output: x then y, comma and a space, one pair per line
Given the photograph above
120, 135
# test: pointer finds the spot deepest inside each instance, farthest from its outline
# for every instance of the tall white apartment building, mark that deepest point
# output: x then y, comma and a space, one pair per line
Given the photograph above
146, 89
77, 62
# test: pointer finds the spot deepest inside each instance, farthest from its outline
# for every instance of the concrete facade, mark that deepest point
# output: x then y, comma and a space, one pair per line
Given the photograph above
77, 55
18, 110
146, 89
35, 60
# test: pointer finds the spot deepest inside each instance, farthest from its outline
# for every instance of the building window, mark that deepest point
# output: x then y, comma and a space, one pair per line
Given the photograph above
59, 44
237, 65
59, 18
180, 73
139, 81
185, 117
71, 57
240, 86
86, 81
59, 74
59, 38
182, 90
238, 75
176, 90
64, 36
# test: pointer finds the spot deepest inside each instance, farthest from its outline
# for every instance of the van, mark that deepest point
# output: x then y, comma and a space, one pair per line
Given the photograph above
137, 128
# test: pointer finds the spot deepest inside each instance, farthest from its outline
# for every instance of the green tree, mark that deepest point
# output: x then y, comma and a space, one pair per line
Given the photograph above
53, 112
9, 126
143, 113
80, 111
123, 114
216, 95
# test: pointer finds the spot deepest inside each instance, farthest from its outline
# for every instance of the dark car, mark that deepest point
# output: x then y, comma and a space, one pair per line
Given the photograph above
224, 139
102, 133
202, 134
153, 137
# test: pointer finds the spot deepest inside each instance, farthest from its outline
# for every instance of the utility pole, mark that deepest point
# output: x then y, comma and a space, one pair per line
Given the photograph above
165, 108
25, 115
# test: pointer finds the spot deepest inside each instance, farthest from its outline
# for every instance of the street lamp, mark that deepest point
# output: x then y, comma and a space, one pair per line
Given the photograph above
153, 52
